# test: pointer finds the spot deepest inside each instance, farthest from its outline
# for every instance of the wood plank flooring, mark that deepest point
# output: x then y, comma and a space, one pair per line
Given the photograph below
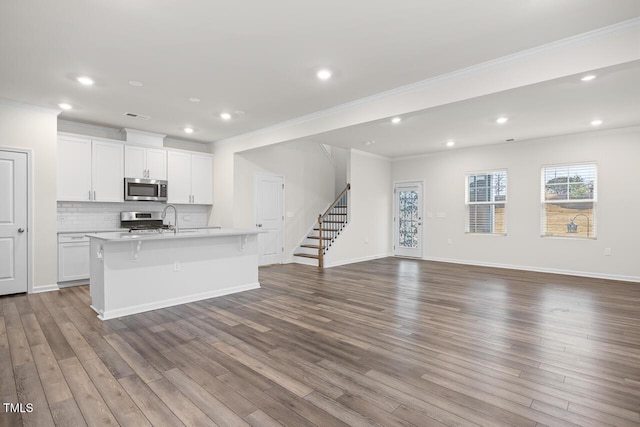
391, 342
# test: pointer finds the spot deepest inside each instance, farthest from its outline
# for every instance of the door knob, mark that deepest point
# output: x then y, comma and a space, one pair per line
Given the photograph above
21, 230
258, 225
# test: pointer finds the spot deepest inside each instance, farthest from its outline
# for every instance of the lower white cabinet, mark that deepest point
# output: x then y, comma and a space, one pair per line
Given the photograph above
73, 257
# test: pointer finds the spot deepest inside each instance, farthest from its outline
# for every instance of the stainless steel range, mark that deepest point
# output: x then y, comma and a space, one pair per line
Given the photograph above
143, 222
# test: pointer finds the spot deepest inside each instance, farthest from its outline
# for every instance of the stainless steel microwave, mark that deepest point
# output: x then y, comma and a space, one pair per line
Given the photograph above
152, 190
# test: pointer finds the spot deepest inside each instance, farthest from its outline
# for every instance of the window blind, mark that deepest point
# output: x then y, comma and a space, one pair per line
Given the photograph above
486, 201
568, 200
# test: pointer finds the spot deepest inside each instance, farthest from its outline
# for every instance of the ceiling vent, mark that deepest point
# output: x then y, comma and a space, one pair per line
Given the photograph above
137, 116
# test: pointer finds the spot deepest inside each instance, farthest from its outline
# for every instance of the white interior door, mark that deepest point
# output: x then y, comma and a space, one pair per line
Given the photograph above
270, 218
13, 222
408, 219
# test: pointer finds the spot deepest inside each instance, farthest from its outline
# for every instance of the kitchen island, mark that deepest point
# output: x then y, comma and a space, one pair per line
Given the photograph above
135, 272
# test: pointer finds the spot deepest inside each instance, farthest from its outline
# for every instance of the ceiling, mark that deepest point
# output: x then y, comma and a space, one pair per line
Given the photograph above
555, 107
258, 59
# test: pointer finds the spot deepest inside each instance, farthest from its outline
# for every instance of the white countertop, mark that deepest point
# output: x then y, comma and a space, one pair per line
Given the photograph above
124, 230
125, 236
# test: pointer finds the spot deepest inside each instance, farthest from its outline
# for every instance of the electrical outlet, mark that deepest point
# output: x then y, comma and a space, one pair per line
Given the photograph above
176, 266
607, 251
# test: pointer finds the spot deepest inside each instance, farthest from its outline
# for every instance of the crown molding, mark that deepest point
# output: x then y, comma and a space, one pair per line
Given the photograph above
24, 106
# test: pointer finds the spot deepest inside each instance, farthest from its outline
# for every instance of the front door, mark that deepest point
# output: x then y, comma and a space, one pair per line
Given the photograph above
13, 222
408, 219
270, 218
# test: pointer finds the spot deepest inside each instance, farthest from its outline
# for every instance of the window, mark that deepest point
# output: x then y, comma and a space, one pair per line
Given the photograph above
486, 202
569, 200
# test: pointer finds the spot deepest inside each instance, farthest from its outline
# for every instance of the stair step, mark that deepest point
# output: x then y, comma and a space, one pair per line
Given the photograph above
334, 222
339, 206
310, 246
335, 230
306, 255
332, 213
318, 237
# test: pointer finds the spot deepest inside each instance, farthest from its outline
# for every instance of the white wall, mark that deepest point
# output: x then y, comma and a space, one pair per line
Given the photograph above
368, 234
34, 128
616, 152
309, 186
341, 160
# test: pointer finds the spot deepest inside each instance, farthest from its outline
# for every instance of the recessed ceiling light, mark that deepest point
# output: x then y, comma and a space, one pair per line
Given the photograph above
188, 130
396, 120
596, 122
324, 74
194, 99
502, 120
225, 116
65, 106
87, 81
451, 143
135, 83
588, 78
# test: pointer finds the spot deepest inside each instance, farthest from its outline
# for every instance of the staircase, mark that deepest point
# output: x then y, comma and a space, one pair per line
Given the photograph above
326, 230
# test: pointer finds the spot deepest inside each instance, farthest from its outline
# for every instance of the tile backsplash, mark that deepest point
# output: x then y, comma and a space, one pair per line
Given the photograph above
89, 216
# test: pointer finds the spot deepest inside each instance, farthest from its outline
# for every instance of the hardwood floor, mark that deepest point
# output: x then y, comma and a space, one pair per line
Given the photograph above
390, 342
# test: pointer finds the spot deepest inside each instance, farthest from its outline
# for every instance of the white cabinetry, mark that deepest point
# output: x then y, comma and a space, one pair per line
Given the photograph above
143, 162
90, 170
107, 171
73, 257
74, 169
201, 179
190, 178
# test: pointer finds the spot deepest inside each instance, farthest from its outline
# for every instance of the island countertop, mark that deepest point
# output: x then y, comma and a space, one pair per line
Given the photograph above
131, 273
124, 236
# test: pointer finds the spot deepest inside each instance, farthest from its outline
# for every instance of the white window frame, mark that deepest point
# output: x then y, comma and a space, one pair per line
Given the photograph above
469, 203
544, 202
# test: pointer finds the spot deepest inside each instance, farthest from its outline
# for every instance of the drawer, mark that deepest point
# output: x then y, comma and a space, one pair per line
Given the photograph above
72, 238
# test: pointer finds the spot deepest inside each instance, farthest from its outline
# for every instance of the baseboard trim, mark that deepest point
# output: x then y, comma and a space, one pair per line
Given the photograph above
329, 263
45, 288
622, 278
126, 311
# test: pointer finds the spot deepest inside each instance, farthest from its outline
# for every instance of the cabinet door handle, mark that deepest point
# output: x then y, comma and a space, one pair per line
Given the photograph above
94, 195
89, 194
193, 198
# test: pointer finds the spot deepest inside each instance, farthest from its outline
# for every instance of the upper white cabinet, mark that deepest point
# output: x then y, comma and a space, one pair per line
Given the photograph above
190, 178
90, 170
74, 169
143, 162
179, 177
107, 171
201, 179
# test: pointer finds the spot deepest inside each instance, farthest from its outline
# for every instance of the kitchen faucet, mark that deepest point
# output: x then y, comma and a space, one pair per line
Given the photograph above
175, 217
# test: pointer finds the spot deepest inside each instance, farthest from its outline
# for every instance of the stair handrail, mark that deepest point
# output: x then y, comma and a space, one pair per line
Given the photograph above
321, 218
